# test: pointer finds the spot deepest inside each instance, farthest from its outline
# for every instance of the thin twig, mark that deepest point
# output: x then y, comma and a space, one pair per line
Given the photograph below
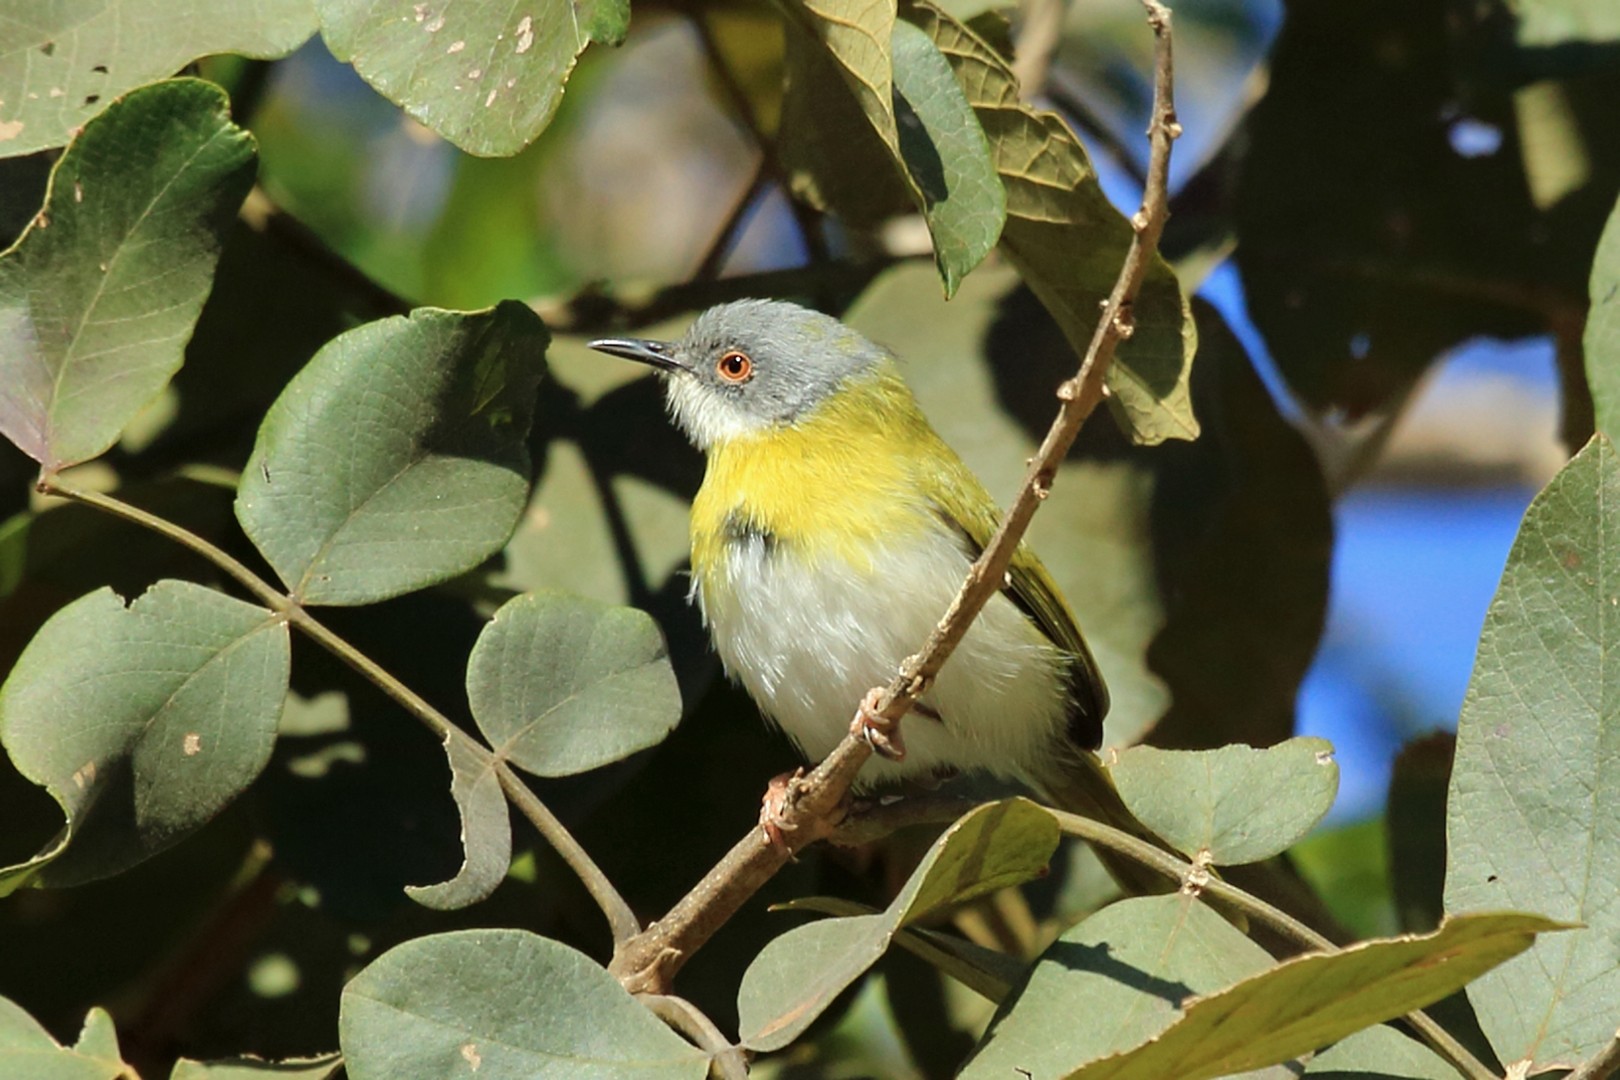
807, 219
726, 1058
714, 260
1037, 40
813, 804
1601, 1067
621, 919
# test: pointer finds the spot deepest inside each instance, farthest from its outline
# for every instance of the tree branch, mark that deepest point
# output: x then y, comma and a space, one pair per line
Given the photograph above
814, 804
621, 920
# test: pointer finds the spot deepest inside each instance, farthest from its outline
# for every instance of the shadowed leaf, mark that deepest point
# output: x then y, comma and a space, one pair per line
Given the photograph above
397, 457
142, 721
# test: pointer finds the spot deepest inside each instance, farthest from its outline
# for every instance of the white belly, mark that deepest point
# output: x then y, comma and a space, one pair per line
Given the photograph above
809, 640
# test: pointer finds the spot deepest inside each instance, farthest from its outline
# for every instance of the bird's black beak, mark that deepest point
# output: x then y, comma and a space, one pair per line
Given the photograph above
658, 354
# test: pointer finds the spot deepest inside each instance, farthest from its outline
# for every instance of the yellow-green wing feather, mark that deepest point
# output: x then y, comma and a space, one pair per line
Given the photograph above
956, 495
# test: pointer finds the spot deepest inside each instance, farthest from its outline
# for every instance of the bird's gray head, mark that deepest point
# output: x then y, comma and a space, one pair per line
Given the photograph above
750, 365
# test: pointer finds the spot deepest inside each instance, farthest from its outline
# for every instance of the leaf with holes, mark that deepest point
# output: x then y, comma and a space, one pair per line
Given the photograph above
62, 63
486, 76
142, 721
100, 294
398, 457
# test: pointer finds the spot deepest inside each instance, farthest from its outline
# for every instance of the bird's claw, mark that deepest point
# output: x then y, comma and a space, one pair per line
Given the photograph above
880, 733
772, 805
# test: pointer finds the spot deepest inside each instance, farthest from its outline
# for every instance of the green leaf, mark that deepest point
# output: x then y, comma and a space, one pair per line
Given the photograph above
1534, 815
101, 292
397, 458
501, 1005
27, 1049
1236, 804
320, 1067
1379, 1053
897, 86
1068, 242
560, 684
1310, 1001
62, 63
141, 721
1602, 340
486, 832
1543, 23
1126, 970
487, 76
796, 976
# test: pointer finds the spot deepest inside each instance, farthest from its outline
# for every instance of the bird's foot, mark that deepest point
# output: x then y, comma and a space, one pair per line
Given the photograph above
880, 733
771, 821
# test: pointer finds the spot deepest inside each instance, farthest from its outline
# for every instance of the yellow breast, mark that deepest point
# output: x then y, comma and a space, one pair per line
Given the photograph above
831, 485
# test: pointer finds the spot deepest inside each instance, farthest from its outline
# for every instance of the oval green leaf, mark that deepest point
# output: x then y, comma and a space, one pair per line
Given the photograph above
501, 1005
100, 294
67, 61
1235, 804
796, 976
487, 77
143, 721
397, 458
1533, 820
560, 684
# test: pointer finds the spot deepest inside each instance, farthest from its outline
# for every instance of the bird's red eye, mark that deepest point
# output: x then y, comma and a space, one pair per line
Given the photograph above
735, 367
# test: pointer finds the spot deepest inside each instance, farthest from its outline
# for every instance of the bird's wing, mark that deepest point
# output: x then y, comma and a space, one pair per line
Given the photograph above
958, 499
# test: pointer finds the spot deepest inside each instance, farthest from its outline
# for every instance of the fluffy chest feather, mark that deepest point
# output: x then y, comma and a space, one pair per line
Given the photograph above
820, 567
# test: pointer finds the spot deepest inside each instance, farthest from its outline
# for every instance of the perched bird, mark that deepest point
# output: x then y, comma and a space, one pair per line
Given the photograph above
832, 530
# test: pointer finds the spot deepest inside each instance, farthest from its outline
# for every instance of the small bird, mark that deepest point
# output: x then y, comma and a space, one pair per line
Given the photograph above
833, 528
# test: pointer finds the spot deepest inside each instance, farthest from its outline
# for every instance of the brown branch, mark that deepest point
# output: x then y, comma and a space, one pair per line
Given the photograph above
813, 804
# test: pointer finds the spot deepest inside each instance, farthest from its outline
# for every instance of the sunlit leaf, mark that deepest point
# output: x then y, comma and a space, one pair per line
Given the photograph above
1234, 805
501, 1005
397, 457
142, 721
1069, 242
1602, 341
486, 76
1127, 971
27, 1049
1314, 1000
1533, 821
101, 292
796, 976
63, 62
